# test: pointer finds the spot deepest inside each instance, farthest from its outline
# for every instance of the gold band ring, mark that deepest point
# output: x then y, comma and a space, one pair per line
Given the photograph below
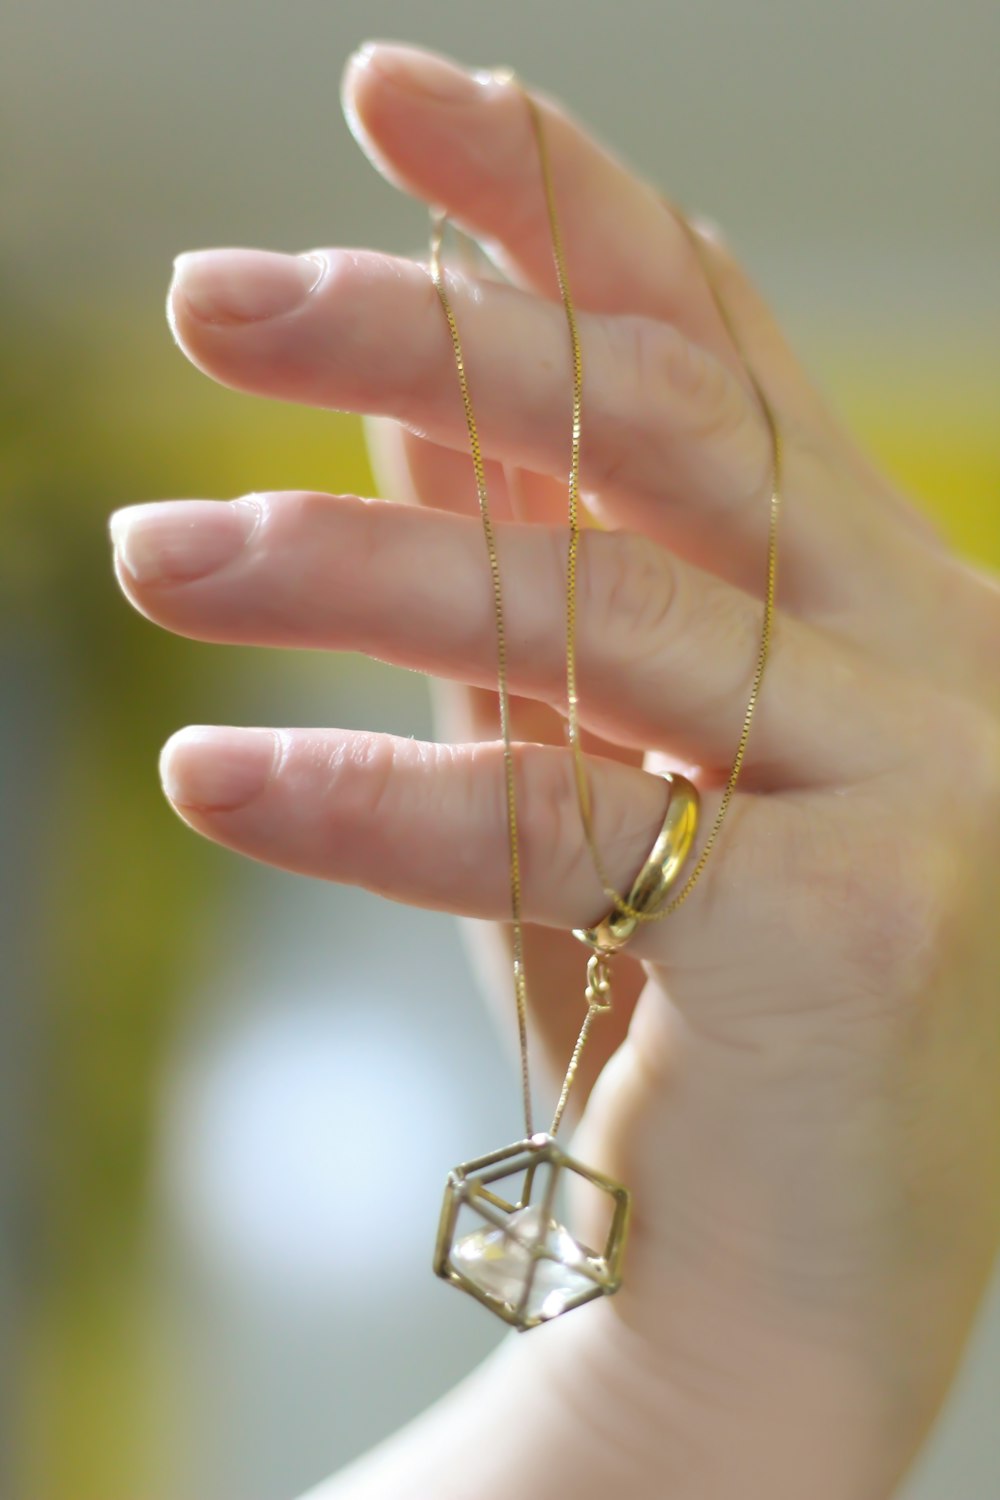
662, 866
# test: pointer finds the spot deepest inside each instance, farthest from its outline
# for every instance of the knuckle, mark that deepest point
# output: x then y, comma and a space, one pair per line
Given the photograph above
736, 638
866, 897
362, 779
326, 544
358, 772
668, 365
627, 590
631, 394
849, 900
304, 513
880, 892
551, 847
903, 902
650, 367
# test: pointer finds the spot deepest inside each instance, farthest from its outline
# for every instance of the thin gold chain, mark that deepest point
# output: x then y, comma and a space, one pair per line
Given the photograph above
439, 221
598, 981
572, 695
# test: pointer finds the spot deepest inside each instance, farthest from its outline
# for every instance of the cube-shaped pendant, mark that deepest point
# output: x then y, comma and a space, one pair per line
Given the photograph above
501, 1239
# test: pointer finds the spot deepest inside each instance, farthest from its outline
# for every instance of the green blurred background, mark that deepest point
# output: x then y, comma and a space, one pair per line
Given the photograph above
183, 1037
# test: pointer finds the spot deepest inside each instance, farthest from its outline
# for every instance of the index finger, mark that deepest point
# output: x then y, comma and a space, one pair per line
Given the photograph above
464, 141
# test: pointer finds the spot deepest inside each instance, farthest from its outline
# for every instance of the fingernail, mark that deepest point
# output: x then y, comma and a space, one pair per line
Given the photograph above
176, 541
427, 74
244, 286
217, 769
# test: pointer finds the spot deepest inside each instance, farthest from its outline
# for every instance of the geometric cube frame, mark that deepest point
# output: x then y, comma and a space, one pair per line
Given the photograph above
529, 1173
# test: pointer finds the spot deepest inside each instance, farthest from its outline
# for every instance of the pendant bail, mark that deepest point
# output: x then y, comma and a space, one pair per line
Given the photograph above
598, 991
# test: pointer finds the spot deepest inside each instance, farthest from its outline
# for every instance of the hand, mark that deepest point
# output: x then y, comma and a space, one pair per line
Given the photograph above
799, 1084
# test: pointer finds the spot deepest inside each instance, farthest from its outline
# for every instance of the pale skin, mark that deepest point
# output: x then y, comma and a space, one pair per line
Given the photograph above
799, 1081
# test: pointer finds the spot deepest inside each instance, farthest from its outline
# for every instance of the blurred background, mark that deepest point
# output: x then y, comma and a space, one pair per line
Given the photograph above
186, 1038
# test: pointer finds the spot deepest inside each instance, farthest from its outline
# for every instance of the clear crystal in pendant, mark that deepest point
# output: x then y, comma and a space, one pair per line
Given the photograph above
502, 1264
500, 1239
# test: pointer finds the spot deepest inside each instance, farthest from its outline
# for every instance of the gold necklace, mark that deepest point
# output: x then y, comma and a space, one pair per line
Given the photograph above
499, 1237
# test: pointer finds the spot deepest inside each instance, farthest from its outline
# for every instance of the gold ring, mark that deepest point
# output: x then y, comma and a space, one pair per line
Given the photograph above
662, 866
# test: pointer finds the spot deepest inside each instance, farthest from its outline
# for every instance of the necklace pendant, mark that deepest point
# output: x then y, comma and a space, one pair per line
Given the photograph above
501, 1238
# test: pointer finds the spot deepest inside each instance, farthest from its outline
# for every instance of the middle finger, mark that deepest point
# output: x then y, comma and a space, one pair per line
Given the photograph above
672, 442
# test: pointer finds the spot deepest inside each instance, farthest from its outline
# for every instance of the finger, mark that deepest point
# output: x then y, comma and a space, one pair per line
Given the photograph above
666, 653
421, 823
414, 469
465, 141
552, 956
672, 442
418, 471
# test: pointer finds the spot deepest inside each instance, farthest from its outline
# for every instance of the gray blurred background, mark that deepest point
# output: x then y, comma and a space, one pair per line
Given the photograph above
186, 1041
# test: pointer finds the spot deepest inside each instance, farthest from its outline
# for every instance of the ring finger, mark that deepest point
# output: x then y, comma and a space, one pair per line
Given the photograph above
666, 652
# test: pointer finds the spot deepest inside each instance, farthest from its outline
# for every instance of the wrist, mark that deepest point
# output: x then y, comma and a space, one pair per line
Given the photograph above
585, 1408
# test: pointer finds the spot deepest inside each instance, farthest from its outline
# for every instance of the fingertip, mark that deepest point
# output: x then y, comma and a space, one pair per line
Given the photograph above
419, 71
217, 768
180, 541
350, 84
388, 88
